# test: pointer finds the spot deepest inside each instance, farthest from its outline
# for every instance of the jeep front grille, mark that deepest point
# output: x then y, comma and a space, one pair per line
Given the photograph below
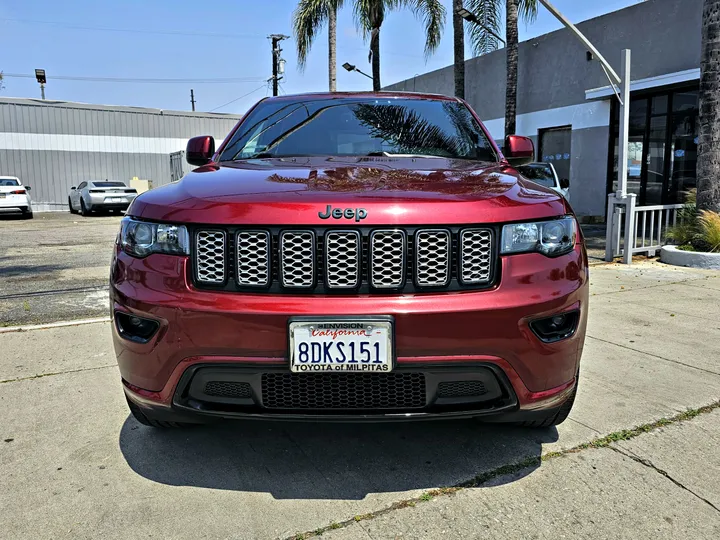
475, 256
358, 261
210, 255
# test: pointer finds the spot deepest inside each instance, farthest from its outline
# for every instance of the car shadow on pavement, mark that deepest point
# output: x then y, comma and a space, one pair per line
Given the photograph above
327, 461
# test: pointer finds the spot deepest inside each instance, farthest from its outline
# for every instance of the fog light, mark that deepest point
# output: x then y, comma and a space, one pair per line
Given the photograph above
135, 328
557, 327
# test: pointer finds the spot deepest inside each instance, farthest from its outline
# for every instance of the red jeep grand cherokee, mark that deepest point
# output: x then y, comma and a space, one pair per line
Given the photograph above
351, 257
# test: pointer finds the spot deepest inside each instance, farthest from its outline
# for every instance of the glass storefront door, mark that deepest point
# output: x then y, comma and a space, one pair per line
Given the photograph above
662, 147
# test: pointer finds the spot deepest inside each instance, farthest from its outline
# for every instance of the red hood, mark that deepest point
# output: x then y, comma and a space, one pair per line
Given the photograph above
421, 191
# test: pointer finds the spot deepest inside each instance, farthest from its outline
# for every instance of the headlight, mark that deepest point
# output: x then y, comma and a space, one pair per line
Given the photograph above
550, 238
140, 238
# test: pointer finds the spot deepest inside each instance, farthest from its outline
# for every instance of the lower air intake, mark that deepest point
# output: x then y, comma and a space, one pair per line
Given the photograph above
343, 391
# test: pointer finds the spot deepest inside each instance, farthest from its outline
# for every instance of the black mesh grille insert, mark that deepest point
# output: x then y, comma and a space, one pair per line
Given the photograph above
227, 389
461, 389
343, 391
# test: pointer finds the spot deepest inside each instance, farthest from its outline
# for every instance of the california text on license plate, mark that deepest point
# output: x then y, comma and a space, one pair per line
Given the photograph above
342, 345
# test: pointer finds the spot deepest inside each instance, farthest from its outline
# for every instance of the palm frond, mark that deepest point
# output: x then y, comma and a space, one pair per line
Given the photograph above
308, 19
432, 14
528, 10
370, 14
490, 14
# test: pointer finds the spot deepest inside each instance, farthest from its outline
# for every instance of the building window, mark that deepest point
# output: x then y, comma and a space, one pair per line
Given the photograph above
662, 146
555, 146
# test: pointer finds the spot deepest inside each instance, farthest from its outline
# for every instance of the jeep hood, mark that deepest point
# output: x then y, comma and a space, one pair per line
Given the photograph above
294, 191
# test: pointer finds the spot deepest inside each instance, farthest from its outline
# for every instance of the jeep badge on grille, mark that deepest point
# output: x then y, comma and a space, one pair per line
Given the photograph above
347, 213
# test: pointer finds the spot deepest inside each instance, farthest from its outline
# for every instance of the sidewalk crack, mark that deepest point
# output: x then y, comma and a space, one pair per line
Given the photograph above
650, 465
653, 355
41, 375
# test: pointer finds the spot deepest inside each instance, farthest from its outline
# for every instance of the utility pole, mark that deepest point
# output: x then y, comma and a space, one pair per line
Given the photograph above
278, 64
192, 99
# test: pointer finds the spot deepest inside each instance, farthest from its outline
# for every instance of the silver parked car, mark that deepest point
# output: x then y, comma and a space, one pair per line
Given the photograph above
100, 195
545, 175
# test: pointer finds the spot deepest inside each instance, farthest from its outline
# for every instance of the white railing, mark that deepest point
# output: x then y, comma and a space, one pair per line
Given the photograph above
652, 222
644, 232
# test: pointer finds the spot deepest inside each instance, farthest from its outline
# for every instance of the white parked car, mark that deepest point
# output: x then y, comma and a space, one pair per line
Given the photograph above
100, 195
15, 196
545, 174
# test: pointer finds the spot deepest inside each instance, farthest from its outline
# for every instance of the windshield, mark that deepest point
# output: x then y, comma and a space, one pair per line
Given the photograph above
357, 126
108, 184
538, 173
9, 182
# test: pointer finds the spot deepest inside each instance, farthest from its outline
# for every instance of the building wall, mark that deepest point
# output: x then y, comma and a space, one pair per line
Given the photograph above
53, 145
554, 74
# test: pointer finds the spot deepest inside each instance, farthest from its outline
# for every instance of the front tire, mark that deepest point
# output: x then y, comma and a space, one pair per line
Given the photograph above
147, 420
555, 418
70, 207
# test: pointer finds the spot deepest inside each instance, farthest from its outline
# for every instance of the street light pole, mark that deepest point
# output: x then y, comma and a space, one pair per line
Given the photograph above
350, 67
621, 196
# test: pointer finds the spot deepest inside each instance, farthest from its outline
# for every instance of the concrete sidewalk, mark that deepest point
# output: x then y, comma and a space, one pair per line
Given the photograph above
75, 465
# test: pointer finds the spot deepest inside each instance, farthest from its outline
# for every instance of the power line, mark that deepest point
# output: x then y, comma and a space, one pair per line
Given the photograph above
136, 30
239, 98
222, 80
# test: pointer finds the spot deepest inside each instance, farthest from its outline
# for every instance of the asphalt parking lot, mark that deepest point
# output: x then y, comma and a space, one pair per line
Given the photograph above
54, 267
74, 464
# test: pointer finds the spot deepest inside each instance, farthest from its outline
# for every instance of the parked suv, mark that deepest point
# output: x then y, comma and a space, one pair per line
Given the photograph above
351, 257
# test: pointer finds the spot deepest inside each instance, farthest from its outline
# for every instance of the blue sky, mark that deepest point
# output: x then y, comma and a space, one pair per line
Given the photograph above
239, 48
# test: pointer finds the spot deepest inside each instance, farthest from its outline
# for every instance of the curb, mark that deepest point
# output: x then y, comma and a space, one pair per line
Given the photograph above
694, 259
59, 324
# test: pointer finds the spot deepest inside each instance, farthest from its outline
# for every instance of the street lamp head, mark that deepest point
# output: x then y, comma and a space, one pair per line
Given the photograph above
348, 66
40, 76
467, 15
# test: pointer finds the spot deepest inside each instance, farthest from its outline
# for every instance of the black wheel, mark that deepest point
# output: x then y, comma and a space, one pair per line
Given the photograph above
70, 207
27, 213
146, 420
83, 210
557, 417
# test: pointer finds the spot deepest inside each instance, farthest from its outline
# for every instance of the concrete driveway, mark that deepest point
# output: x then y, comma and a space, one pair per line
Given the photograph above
73, 464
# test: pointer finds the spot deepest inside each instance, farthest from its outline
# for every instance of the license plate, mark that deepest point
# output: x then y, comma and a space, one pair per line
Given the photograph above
2, 195
364, 346
114, 199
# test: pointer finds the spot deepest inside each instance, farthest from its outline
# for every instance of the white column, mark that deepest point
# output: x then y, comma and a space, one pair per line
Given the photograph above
624, 123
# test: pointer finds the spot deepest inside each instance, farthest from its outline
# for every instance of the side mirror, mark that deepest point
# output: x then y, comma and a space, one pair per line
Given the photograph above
73, 188
200, 150
27, 187
564, 183
519, 150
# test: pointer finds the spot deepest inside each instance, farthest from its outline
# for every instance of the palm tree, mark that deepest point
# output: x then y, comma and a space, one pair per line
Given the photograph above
708, 161
309, 17
489, 13
370, 15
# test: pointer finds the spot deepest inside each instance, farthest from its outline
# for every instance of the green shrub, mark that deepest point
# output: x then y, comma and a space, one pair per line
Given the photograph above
696, 231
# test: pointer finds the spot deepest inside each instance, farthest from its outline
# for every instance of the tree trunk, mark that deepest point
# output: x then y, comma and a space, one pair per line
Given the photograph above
511, 29
459, 50
375, 51
708, 160
332, 49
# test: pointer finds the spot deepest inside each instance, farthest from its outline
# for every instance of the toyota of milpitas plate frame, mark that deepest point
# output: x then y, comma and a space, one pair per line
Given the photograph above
341, 344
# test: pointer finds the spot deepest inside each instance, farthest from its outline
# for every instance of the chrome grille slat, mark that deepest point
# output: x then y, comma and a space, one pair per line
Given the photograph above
342, 259
475, 256
387, 259
252, 251
297, 259
432, 257
210, 257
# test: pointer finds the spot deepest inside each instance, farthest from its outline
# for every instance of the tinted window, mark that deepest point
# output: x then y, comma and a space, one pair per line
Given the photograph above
9, 182
108, 184
357, 126
538, 173
81, 186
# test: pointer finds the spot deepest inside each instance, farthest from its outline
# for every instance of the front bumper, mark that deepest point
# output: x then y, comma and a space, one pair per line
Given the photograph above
461, 333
